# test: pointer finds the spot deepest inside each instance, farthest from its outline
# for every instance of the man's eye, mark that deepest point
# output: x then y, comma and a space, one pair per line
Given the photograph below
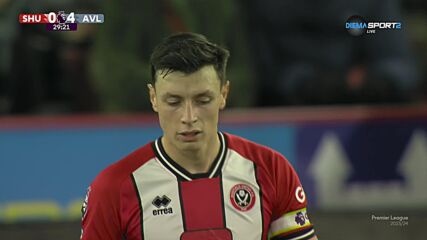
172, 102
204, 100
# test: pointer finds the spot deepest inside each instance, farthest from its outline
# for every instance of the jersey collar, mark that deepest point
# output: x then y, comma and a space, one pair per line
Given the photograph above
182, 173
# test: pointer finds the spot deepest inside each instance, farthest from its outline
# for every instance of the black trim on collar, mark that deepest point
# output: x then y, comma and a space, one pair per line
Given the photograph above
181, 173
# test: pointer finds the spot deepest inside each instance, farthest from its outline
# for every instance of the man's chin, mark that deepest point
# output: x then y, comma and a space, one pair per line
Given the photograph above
189, 146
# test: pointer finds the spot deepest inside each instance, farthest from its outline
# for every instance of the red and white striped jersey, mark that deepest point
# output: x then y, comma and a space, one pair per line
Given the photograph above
250, 192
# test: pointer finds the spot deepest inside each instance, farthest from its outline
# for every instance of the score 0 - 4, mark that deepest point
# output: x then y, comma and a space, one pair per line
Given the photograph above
74, 18
60, 21
68, 22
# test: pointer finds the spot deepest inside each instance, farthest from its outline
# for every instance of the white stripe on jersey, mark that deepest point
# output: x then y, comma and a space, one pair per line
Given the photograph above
152, 182
244, 225
221, 156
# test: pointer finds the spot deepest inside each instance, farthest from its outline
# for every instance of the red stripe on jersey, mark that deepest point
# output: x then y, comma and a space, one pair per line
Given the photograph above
211, 234
109, 214
201, 199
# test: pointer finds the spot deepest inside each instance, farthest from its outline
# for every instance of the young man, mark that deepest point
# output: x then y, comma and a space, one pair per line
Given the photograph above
195, 182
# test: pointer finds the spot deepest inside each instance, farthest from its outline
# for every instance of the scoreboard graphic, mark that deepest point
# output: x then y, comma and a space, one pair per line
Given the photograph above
61, 21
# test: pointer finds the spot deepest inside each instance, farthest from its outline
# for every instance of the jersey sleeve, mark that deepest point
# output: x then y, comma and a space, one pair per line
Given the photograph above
101, 211
290, 219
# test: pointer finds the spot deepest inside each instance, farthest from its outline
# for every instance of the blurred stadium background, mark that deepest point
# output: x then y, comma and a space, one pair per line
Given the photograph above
350, 113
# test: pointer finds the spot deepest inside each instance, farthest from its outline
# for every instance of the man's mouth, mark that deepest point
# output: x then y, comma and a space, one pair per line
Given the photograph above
190, 133
189, 136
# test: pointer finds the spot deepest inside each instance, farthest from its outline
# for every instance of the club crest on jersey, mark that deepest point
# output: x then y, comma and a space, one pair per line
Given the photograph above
242, 197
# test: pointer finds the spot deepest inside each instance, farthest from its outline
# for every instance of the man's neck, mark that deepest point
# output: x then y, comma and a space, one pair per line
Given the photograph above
194, 161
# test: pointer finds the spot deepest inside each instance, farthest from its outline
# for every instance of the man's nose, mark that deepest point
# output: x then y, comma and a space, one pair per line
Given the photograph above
189, 115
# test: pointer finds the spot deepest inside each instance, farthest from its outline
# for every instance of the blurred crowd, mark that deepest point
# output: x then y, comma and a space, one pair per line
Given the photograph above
282, 53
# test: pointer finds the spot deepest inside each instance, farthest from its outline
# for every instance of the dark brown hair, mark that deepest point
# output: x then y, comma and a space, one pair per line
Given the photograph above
188, 52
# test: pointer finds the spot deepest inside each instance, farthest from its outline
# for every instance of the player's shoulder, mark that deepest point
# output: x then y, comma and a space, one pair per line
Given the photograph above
258, 153
115, 173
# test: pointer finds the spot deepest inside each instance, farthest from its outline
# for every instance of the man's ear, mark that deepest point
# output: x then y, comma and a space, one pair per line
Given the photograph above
224, 94
153, 98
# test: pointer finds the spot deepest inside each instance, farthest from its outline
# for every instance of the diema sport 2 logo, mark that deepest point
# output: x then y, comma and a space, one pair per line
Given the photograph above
357, 26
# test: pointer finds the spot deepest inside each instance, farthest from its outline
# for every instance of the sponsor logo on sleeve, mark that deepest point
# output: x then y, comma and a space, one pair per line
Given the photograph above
299, 194
300, 218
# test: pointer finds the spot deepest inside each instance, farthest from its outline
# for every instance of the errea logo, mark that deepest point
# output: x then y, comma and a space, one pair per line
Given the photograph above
161, 203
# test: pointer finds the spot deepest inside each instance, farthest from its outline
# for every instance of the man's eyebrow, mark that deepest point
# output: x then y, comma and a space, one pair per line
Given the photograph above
170, 95
205, 93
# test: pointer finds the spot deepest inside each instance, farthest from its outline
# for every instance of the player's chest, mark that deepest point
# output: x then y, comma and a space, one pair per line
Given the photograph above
229, 206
